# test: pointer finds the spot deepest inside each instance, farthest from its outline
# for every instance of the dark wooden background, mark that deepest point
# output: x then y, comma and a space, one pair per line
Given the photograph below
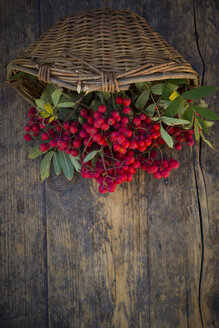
144, 256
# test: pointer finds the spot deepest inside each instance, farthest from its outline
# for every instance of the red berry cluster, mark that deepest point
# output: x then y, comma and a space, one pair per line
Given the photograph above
125, 140
53, 134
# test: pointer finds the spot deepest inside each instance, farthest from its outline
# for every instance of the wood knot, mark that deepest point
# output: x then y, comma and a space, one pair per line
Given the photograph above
44, 73
109, 82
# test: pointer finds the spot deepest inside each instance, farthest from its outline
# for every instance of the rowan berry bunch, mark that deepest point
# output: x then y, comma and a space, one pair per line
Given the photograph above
110, 142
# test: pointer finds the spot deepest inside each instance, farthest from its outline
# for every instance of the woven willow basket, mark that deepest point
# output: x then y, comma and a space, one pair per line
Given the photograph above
98, 50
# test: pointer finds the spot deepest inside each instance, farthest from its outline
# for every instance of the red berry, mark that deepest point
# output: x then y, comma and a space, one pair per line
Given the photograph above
128, 133
190, 143
119, 100
90, 120
152, 169
173, 163
58, 128
27, 137
148, 120
83, 134
93, 130
136, 121
66, 125
83, 112
153, 153
126, 110
45, 136
126, 101
99, 122
142, 117
27, 128
157, 175
102, 189
77, 143
111, 121
124, 120
115, 114
156, 126
105, 127
73, 129
35, 128
74, 152
102, 108
32, 110
44, 147
165, 173
52, 143
178, 146
97, 115
42, 126
62, 144
36, 134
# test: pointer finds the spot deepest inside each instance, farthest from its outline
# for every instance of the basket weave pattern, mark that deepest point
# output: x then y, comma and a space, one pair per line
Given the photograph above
98, 50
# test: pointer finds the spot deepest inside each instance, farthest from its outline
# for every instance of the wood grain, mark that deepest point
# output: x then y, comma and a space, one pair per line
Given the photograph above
144, 256
23, 286
207, 171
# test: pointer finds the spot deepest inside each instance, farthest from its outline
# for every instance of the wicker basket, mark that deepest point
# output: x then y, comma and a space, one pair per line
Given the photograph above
103, 49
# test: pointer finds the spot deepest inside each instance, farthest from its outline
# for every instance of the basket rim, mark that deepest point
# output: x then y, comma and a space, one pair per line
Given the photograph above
97, 79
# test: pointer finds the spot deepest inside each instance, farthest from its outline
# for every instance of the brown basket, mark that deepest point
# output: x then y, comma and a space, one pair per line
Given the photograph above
102, 49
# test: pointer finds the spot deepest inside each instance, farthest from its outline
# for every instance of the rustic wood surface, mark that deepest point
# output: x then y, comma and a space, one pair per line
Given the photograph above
144, 256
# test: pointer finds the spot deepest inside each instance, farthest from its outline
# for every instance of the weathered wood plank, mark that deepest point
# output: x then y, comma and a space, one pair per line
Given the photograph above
207, 24
176, 275
23, 286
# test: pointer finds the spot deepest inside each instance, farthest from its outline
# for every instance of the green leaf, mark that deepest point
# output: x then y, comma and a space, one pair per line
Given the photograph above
91, 155
46, 95
75, 162
202, 103
202, 124
66, 165
150, 110
178, 81
165, 102
205, 140
56, 164
168, 90
173, 107
173, 121
142, 99
40, 103
199, 92
196, 130
188, 115
156, 118
64, 112
35, 152
16, 76
206, 113
93, 161
56, 95
66, 104
140, 86
166, 137
157, 89
75, 96
45, 165
208, 124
